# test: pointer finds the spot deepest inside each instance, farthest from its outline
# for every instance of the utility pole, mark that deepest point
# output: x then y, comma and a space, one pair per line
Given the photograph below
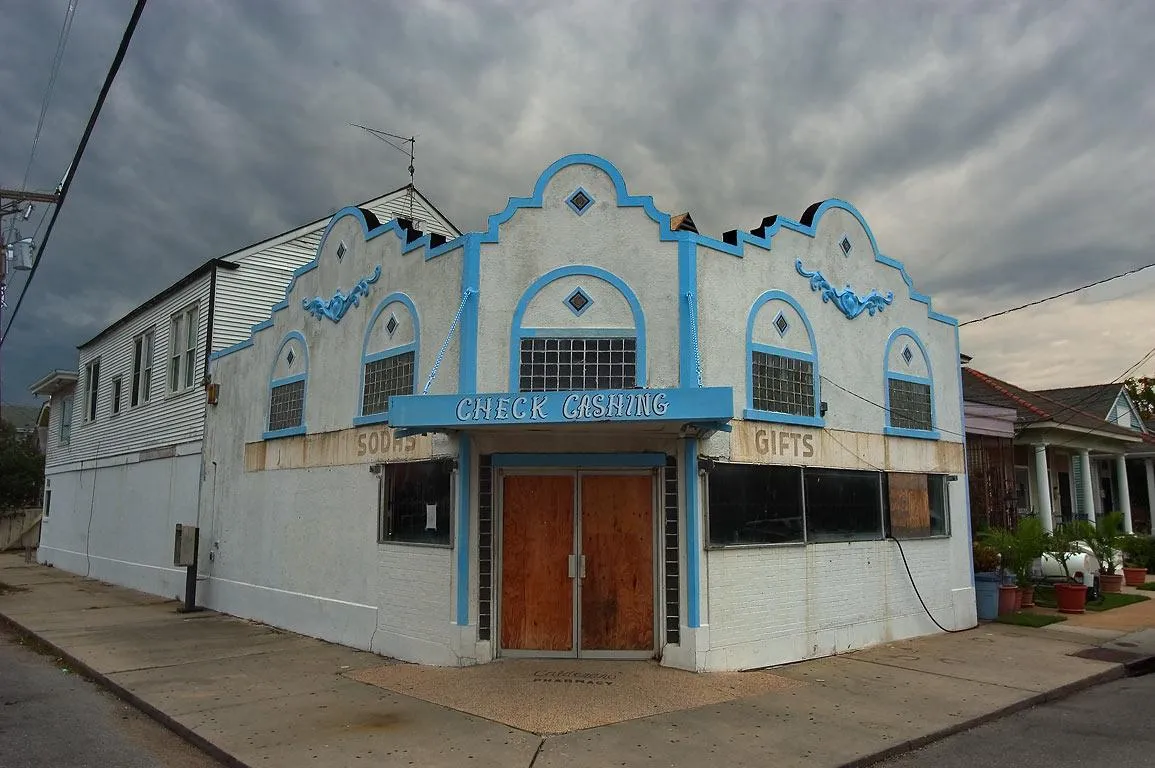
14, 202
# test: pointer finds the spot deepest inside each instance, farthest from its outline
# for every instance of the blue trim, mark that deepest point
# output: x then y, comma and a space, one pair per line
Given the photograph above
846, 301
530, 409
573, 206
756, 414
336, 307
569, 271
366, 357
579, 460
300, 429
579, 333
467, 345
888, 373
231, 349
576, 291
693, 542
462, 541
688, 354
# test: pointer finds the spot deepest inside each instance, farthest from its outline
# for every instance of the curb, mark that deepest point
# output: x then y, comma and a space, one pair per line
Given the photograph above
1120, 671
186, 733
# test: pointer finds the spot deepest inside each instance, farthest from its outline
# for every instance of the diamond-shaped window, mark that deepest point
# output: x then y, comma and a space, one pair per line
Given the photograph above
391, 325
341, 250
290, 357
782, 324
580, 201
907, 355
578, 301
844, 244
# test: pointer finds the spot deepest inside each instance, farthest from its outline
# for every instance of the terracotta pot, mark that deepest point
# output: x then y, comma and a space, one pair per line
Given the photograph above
1007, 597
1027, 596
1018, 598
1134, 576
1072, 598
1111, 582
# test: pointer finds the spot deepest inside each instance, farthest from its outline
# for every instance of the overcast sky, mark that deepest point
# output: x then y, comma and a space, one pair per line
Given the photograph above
1002, 151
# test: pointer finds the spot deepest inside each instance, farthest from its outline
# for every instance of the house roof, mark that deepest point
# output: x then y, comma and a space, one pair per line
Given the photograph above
1095, 399
23, 417
53, 382
1035, 408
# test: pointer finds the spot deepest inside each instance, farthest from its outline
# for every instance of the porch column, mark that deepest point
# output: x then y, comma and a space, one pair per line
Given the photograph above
1124, 491
1151, 494
1088, 484
1043, 487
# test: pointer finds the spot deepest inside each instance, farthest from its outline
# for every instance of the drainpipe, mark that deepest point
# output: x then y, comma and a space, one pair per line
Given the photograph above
205, 380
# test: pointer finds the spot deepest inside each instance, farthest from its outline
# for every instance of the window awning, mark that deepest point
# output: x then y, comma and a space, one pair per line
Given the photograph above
709, 407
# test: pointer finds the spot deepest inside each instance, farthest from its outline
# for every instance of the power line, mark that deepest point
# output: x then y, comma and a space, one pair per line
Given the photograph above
1058, 295
57, 59
71, 174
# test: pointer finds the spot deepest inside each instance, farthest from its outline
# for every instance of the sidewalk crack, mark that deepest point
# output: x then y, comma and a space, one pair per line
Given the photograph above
951, 677
536, 752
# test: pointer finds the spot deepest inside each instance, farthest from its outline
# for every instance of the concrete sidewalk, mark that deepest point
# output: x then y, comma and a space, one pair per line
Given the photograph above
253, 695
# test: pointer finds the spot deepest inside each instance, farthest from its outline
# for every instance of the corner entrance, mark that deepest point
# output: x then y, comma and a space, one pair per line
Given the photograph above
577, 564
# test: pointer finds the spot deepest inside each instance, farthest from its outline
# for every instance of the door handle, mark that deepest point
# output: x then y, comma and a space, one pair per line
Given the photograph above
577, 566
581, 566
573, 566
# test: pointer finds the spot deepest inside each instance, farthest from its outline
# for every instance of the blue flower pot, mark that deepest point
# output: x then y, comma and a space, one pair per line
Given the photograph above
987, 595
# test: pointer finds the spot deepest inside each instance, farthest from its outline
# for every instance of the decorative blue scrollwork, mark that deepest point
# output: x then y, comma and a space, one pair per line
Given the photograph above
336, 307
847, 301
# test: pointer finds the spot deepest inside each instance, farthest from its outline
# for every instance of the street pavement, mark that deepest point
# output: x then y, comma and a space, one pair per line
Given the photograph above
50, 716
1107, 725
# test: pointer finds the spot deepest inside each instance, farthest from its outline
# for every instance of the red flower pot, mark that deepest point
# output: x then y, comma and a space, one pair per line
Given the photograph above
1007, 597
1027, 596
1111, 582
1072, 598
1134, 576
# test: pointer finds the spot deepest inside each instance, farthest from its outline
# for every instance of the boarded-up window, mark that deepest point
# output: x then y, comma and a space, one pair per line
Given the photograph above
918, 505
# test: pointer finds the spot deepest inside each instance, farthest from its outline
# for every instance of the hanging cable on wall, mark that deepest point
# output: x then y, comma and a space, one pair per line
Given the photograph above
445, 346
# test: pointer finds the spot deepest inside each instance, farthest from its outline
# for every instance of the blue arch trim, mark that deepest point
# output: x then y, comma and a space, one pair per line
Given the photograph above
368, 357
517, 332
888, 373
750, 412
288, 431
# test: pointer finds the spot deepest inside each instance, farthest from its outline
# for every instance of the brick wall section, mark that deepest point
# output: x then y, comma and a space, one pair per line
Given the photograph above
415, 591
823, 598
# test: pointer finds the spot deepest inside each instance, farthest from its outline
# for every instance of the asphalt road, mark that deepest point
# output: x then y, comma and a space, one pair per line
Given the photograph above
50, 716
1106, 725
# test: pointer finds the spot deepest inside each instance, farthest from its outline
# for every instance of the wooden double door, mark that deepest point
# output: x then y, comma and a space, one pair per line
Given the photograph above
577, 565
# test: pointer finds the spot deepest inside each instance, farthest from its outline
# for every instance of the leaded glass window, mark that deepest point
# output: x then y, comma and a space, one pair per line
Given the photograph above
563, 364
287, 405
783, 384
384, 378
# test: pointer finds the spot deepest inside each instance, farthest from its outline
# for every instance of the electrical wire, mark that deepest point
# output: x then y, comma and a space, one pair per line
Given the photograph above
57, 60
1037, 302
67, 183
880, 405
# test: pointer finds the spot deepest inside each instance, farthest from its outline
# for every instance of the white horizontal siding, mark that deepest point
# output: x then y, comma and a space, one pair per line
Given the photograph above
56, 453
167, 419
246, 296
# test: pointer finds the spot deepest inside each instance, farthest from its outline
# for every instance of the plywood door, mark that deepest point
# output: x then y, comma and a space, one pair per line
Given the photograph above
617, 593
537, 537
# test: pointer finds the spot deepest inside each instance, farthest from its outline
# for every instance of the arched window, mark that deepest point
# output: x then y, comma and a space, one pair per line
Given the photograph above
909, 387
388, 357
577, 328
782, 379
288, 385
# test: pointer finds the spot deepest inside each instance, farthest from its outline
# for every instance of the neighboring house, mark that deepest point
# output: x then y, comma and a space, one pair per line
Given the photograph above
1065, 461
27, 421
590, 431
124, 461
1114, 404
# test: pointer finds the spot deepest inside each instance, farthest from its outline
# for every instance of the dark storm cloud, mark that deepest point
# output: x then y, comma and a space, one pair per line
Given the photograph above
1002, 151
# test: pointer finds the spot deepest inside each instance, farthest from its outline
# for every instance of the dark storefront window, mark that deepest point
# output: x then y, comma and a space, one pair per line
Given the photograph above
755, 504
843, 504
416, 500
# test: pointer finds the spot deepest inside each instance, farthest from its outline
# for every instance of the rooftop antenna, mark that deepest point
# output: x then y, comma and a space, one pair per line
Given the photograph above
391, 139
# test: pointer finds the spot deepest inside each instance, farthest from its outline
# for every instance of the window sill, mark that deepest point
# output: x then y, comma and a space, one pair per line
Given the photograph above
375, 418
761, 545
754, 414
178, 394
930, 537
287, 432
382, 545
917, 434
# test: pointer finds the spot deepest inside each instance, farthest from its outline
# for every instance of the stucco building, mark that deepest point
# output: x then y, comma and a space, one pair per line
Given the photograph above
590, 431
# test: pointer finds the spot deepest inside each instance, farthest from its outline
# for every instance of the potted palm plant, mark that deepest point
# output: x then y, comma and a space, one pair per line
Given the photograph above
1105, 546
1135, 553
1006, 545
1070, 595
986, 562
1031, 543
